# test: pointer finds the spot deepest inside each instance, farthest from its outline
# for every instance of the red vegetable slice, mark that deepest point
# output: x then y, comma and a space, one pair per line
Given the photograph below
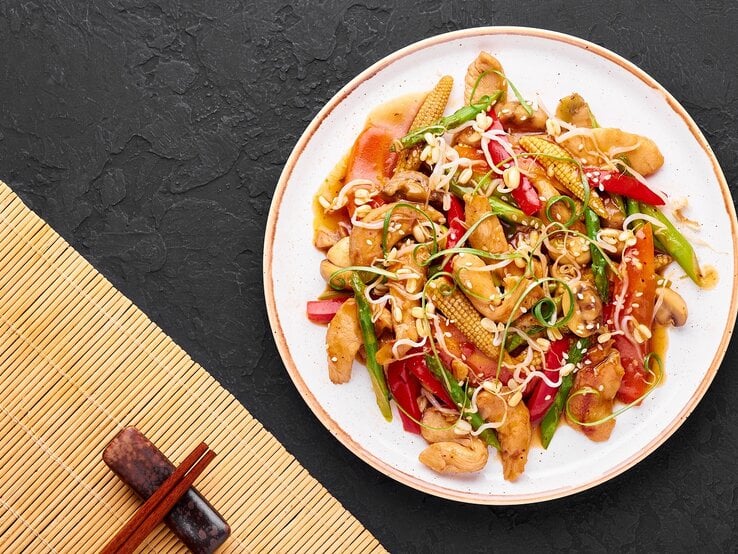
524, 194
543, 394
455, 218
322, 311
638, 301
405, 390
620, 183
417, 367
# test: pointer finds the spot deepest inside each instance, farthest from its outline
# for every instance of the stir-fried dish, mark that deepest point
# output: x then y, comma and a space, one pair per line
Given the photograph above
498, 269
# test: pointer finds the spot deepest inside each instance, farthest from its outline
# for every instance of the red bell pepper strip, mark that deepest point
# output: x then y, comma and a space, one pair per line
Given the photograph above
637, 301
405, 389
455, 218
419, 368
543, 394
322, 311
623, 184
524, 194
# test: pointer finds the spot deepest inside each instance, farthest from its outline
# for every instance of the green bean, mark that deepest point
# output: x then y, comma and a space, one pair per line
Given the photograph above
550, 421
379, 384
462, 115
675, 244
514, 341
458, 395
599, 264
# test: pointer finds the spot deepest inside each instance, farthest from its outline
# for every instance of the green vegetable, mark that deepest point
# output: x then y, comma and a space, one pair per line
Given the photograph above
514, 341
550, 421
675, 244
458, 395
462, 115
511, 214
370, 347
599, 263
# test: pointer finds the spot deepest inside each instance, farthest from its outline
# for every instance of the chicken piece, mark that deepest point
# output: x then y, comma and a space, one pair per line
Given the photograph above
476, 284
514, 434
515, 287
489, 234
601, 381
481, 74
515, 118
437, 427
402, 320
343, 341
462, 456
607, 143
383, 321
365, 245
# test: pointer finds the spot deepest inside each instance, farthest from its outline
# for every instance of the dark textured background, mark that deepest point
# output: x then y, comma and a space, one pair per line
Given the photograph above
151, 135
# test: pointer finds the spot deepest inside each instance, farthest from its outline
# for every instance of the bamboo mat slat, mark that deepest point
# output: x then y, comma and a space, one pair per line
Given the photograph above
78, 362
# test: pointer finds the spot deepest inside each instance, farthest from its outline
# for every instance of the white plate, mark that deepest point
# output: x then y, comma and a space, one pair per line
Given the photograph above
552, 65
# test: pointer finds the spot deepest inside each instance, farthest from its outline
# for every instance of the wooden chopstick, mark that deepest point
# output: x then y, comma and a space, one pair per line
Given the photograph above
159, 504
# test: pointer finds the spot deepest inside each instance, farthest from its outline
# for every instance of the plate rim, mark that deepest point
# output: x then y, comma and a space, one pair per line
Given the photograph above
333, 427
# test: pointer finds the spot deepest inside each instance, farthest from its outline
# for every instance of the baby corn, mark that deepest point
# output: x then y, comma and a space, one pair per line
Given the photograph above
553, 158
431, 110
460, 311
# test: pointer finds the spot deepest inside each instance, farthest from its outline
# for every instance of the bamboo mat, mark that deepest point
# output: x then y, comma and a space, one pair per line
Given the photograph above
78, 362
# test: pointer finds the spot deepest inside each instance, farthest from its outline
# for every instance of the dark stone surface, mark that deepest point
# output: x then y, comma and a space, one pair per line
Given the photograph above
151, 134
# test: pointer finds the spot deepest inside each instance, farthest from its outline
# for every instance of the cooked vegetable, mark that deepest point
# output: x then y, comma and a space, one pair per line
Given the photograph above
599, 263
550, 421
522, 191
451, 301
430, 111
322, 311
561, 164
405, 390
487, 262
444, 124
675, 244
461, 400
621, 183
370, 348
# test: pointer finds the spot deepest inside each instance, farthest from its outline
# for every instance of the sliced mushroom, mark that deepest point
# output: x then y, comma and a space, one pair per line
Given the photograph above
341, 279
587, 314
569, 249
410, 185
514, 117
465, 456
673, 309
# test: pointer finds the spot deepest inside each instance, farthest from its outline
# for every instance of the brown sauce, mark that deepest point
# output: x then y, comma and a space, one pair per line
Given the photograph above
708, 277
391, 114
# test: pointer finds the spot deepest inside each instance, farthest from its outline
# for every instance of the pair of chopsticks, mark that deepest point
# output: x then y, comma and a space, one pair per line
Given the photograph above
159, 504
